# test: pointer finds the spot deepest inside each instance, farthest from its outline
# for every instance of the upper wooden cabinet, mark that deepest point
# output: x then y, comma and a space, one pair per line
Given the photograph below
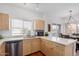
4, 21
39, 24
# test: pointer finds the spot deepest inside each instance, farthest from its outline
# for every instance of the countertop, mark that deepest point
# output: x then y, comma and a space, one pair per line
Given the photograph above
62, 41
14, 39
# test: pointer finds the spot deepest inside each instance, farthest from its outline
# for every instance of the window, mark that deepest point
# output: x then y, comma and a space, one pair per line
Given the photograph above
16, 23
55, 28
19, 27
27, 25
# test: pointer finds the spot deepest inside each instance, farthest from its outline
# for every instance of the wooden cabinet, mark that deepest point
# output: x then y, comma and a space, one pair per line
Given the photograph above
20, 53
45, 47
51, 48
58, 49
2, 49
27, 46
39, 24
4, 21
35, 45
70, 50
43, 50
31, 46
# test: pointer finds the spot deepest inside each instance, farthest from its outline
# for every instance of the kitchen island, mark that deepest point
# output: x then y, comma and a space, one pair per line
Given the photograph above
58, 46
53, 46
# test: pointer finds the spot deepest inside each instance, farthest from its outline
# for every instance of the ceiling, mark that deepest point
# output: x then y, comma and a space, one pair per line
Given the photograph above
52, 9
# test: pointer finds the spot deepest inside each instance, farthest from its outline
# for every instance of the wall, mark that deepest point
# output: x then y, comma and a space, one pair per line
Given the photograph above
17, 12
26, 14
49, 19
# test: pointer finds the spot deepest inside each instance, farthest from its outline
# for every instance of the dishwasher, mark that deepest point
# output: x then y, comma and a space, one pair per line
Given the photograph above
12, 47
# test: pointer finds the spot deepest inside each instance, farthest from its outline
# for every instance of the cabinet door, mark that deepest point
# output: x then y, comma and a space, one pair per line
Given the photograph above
2, 49
0, 21
43, 47
20, 53
58, 50
39, 25
35, 45
50, 48
46, 47
69, 50
5, 21
26, 46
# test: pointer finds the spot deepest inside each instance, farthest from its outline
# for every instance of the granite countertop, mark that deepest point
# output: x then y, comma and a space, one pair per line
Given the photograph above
14, 39
62, 41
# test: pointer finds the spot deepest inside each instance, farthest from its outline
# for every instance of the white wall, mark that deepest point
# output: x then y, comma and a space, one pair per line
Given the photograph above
49, 19
17, 12
26, 14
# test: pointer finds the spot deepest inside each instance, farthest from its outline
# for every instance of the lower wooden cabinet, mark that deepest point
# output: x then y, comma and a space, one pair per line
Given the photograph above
27, 46
43, 47
50, 48
31, 46
35, 45
2, 49
46, 47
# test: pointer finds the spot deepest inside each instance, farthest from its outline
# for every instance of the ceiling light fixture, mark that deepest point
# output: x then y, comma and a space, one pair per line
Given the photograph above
71, 18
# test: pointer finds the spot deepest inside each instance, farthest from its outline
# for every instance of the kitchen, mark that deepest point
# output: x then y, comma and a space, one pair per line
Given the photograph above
26, 29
